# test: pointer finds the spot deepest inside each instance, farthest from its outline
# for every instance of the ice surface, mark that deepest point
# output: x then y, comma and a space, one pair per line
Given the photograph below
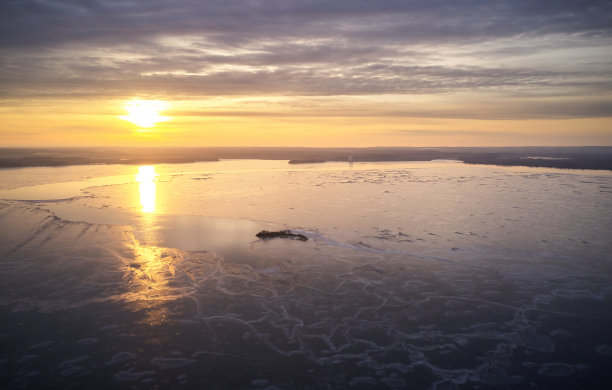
421, 275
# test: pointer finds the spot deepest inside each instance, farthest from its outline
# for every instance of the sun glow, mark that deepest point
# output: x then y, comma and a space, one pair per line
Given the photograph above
146, 185
145, 113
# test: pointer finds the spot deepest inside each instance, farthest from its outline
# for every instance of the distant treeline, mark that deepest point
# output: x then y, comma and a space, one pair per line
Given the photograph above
592, 157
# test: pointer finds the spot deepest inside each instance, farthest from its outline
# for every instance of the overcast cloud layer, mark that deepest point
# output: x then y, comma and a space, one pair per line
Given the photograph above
199, 49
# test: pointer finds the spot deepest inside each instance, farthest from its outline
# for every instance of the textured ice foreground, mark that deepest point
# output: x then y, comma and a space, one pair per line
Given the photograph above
417, 275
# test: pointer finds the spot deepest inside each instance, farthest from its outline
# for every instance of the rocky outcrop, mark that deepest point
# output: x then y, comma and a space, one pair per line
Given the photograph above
264, 234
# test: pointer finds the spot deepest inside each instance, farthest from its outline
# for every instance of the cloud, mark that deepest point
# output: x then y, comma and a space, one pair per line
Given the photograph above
192, 48
87, 75
468, 108
44, 23
443, 133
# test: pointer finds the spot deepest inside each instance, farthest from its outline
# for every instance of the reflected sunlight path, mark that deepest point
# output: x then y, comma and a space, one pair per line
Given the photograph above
147, 188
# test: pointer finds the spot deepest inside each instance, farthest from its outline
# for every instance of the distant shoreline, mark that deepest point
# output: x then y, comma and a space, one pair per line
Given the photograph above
589, 157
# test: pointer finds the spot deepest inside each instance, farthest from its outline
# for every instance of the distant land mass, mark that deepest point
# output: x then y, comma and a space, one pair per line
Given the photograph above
586, 157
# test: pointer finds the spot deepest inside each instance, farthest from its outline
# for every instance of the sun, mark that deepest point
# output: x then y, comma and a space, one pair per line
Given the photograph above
144, 113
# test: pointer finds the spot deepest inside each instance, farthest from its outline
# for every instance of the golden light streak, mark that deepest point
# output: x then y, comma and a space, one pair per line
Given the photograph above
146, 179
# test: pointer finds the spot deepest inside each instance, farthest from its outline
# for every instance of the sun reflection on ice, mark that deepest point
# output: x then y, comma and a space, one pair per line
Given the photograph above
151, 275
146, 179
151, 268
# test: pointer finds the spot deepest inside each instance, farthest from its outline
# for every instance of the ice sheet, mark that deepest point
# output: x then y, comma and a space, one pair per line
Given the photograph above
423, 275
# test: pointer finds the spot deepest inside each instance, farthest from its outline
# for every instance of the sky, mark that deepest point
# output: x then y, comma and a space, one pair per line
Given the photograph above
305, 72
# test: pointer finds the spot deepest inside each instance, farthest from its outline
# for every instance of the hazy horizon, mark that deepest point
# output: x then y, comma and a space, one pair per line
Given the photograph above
103, 146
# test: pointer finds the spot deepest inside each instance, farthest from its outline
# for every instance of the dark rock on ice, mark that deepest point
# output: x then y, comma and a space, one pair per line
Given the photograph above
281, 234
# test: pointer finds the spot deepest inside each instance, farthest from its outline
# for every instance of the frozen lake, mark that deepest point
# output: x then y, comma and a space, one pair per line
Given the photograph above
420, 275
